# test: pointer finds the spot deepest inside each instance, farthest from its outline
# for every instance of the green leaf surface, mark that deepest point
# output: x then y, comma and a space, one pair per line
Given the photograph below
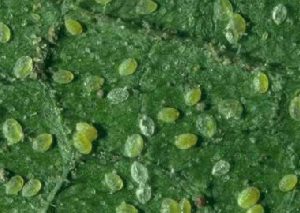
178, 47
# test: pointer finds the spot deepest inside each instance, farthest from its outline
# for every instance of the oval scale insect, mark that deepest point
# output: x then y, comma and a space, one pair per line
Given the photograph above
143, 193
113, 181
185, 206
230, 109
145, 7
248, 197
88, 130
192, 97
12, 131
63, 77
206, 125
168, 115
279, 14
73, 26
222, 9
288, 182
82, 143
139, 173
42, 142
185, 141
235, 29
5, 33
169, 205
294, 108
128, 67
31, 188
14, 185
93, 83
256, 209
134, 146
261, 82
126, 208
23, 67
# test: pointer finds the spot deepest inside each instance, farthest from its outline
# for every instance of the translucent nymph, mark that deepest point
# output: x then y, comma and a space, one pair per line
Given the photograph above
145, 7
63, 77
206, 125
294, 108
146, 125
261, 82
185, 141
82, 143
230, 108
222, 9
192, 96
134, 146
248, 197
73, 27
139, 173
118, 95
93, 83
14, 185
42, 142
31, 188
220, 168
23, 67
113, 181
126, 208
143, 193
185, 206
169, 205
128, 67
168, 115
88, 130
236, 28
12, 131
279, 14
5, 33
256, 209
288, 182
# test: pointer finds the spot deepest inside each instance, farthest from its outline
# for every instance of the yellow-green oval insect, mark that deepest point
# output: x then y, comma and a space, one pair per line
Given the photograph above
128, 67
288, 182
134, 146
63, 77
261, 82
185, 141
192, 97
126, 208
31, 188
145, 7
88, 130
113, 181
294, 108
42, 142
143, 193
235, 29
82, 143
256, 209
12, 131
185, 206
169, 205
5, 33
248, 197
73, 26
23, 67
168, 115
14, 185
